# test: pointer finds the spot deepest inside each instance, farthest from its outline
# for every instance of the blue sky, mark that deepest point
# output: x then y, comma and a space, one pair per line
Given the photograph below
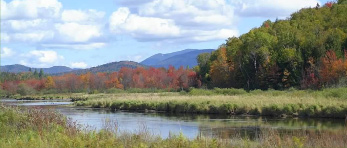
87, 33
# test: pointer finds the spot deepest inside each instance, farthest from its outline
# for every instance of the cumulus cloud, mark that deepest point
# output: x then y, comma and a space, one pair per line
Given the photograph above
6, 52
90, 15
122, 21
38, 22
45, 56
78, 65
76, 32
32, 36
84, 46
5, 37
270, 8
211, 13
20, 25
175, 20
30, 9
40, 58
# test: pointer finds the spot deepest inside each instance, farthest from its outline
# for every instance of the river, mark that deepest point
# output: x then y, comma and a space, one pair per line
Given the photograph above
189, 125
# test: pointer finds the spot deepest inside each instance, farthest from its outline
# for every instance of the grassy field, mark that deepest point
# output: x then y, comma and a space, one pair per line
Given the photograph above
330, 103
35, 128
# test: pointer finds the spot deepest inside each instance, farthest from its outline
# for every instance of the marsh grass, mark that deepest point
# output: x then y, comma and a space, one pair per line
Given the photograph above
328, 103
36, 128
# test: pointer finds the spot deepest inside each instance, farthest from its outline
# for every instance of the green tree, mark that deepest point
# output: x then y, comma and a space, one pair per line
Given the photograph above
41, 73
35, 73
203, 67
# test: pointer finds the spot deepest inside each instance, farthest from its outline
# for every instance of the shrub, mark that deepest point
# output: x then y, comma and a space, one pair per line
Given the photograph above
114, 91
24, 90
229, 91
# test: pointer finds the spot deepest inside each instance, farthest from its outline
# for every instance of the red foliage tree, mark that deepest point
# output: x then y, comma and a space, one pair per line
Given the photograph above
329, 4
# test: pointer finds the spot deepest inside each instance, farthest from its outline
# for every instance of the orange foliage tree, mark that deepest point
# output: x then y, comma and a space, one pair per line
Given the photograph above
221, 69
332, 68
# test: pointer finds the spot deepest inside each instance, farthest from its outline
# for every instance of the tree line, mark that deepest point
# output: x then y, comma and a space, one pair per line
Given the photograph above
170, 79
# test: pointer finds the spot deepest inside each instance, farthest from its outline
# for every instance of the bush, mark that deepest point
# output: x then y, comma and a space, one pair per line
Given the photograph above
204, 92
2, 92
24, 90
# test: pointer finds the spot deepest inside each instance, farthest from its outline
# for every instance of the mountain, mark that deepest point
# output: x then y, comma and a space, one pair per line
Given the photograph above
155, 59
17, 68
181, 58
110, 67
57, 70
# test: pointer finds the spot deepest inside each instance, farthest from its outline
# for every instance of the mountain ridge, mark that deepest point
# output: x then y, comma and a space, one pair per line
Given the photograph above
176, 59
184, 58
17, 68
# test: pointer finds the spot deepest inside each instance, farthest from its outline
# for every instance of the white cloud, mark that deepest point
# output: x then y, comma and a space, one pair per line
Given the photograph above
82, 16
78, 65
211, 13
32, 36
6, 52
38, 22
216, 34
18, 25
271, 8
45, 56
5, 37
78, 33
122, 21
175, 20
30, 9
41, 58
84, 46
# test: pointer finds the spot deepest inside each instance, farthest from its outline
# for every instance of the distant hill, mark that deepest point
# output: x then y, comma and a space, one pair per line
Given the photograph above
155, 59
110, 67
57, 70
181, 58
17, 68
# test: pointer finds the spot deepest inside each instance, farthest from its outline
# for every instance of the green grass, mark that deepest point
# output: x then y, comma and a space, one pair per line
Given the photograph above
329, 103
35, 128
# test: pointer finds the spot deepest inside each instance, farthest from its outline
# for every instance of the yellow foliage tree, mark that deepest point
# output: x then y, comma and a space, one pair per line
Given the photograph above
221, 68
49, 83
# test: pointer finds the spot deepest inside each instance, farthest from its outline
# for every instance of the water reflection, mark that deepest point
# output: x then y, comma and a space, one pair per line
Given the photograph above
190, 125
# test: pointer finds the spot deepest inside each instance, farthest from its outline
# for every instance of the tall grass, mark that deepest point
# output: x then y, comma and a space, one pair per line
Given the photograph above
330, 103
35, 128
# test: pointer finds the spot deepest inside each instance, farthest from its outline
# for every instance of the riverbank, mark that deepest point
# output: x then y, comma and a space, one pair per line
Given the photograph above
41, 128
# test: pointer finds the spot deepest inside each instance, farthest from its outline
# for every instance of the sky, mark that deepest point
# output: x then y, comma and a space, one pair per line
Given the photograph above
88, 33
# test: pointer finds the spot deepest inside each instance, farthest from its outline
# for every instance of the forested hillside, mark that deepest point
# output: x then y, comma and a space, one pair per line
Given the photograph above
307, 50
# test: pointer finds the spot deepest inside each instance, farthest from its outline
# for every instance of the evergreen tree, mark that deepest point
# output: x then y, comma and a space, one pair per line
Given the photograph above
41, 73
35, 73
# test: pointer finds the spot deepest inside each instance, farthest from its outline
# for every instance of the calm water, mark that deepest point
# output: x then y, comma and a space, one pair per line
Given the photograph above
190, 125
